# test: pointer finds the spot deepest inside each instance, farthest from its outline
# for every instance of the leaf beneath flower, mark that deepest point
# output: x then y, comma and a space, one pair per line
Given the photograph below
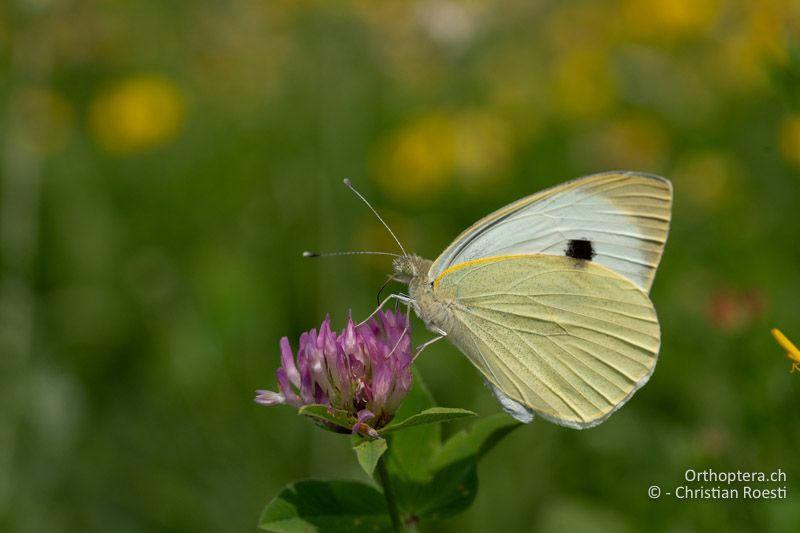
368, 453
428, 416
322, 413
313, 505
455, 467
473, 444
411, 449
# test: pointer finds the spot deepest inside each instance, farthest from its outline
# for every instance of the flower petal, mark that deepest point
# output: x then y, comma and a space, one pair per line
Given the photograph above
267, 397
319, 368
360, 425
381, 383
287, 391
348, 339
287, 362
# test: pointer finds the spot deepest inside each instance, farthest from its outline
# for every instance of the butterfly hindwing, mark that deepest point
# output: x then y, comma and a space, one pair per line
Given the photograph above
567, 338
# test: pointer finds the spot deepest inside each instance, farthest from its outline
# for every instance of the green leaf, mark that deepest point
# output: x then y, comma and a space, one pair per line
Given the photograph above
309, 506
410, 450
451, 480
455, 467
449, 492
428, 416
475, 443
320, 413
368, 453
432, 480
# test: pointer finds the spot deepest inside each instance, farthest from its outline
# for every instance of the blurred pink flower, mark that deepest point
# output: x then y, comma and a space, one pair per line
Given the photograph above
732, 310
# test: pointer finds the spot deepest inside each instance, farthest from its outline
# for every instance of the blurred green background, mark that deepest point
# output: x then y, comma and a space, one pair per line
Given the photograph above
165, 163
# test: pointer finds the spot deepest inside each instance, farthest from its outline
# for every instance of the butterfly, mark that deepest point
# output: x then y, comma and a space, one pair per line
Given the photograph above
548, 297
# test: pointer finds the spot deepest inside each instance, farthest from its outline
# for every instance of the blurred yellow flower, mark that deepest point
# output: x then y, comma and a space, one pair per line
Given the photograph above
791, 350
582, 84
789, 140
574, 25
420, 159
633, 142
416, 162
137, 114
483, 149
768, 27
43, 119
757, 37
515, 88
669, 20
737, 63
710, 178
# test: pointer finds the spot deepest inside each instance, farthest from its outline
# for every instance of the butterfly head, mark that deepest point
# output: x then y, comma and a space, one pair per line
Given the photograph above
408, 267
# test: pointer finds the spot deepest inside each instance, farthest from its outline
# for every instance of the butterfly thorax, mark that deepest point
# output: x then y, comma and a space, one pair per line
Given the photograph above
429, 306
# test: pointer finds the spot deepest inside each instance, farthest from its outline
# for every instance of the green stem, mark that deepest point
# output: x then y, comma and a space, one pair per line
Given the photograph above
388, 493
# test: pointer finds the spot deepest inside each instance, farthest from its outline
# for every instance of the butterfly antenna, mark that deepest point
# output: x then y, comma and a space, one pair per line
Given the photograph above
349, 185
329, 254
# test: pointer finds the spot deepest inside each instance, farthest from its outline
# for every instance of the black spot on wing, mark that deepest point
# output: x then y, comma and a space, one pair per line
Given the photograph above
580, 249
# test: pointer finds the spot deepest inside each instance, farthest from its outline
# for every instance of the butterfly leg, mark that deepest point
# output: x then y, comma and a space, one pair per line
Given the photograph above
439, 332
402, 298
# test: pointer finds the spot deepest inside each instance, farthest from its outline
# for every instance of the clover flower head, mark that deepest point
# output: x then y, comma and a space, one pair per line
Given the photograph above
363, 372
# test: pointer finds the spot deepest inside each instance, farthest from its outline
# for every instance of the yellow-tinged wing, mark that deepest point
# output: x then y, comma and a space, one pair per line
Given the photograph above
568, 339
625, 216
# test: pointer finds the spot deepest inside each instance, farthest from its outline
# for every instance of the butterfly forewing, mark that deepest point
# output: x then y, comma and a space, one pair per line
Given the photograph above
567, 338
623, 216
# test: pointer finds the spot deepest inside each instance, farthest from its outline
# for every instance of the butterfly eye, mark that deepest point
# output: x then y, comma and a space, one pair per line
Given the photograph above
580, 249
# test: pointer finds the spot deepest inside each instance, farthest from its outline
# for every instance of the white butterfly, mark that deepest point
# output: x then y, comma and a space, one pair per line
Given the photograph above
548, 296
